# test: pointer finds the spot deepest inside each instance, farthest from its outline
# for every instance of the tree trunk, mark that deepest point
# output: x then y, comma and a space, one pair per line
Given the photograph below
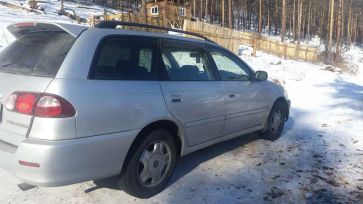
349, 28
222, 13
339, 25
211, 14
260, 18
343, 22
206, 10
283, 21
245, 14
322, 16
194, 12
268, 18
330, 44
309, 19
299, 21
294, 20
201, 10
276, 18
230, 14
303, 21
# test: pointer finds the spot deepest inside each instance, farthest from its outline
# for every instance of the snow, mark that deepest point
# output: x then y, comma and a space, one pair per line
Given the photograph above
314, 41
50, 14
318, 159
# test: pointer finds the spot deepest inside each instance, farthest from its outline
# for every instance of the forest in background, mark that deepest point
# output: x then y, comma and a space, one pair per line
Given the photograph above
338, 23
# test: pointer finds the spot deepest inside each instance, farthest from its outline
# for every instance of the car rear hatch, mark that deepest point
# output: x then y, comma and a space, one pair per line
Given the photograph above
29, 64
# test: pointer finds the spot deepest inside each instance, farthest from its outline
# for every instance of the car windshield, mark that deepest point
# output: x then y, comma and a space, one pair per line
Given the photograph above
39, 53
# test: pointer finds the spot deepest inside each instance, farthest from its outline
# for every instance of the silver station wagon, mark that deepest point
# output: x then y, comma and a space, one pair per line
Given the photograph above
80, 103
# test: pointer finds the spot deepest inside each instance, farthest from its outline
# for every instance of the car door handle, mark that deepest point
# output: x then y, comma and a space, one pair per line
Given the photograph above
232, 95
176, 99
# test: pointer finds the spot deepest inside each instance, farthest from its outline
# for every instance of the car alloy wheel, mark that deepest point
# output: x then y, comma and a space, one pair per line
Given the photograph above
153, 164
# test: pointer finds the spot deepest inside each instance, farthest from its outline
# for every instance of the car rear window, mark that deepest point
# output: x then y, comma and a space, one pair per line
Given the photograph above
39, 54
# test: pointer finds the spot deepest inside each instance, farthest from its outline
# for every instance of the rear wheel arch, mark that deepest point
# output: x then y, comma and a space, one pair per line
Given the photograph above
168, 125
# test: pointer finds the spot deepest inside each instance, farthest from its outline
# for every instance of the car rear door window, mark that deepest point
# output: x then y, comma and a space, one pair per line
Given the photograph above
38, 53
126, 58
186, 61
230, 68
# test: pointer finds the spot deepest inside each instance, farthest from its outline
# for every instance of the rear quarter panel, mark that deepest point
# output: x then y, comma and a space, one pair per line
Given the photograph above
105, 106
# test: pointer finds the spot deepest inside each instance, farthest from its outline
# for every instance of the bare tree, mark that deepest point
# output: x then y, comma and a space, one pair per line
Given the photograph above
339, 27
331, 25
222, 13
283, 21
194, 9
230, 13
260, 18
299, 20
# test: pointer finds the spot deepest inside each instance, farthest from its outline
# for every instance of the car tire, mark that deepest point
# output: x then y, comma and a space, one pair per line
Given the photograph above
275, 122
151, 166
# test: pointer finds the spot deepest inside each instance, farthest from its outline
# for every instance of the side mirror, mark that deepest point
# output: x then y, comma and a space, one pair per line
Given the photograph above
261, 76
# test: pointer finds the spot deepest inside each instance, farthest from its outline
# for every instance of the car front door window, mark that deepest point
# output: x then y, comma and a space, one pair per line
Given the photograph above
230, 69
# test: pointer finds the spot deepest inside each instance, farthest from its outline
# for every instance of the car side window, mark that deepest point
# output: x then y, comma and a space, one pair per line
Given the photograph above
186, 62
229, 68
126, 58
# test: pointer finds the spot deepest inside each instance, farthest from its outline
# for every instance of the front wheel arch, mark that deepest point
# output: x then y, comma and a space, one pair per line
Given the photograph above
285, 105
283, 101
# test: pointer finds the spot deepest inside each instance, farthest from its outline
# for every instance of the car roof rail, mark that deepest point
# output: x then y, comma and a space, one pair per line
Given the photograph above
114, 24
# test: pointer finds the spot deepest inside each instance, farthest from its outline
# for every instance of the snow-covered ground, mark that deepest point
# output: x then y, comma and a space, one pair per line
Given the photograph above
50, 8
318, 159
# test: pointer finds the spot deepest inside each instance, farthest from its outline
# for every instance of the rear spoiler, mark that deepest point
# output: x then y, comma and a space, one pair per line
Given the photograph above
19, 29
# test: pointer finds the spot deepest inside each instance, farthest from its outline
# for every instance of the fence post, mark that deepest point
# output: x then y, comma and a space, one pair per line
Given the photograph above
297, 50
93, 21
285, 51
254, 45
105, 14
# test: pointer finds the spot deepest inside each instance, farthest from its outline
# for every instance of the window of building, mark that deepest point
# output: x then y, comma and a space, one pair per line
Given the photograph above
181, 11
154, 10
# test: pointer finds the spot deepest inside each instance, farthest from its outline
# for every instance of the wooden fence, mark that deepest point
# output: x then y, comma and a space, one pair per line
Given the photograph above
228, 38
232, 39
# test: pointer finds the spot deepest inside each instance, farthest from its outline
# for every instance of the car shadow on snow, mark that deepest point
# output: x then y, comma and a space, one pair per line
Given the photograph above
189, 162
301, 166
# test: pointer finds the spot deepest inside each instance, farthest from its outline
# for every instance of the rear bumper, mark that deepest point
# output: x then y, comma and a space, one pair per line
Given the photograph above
68, 161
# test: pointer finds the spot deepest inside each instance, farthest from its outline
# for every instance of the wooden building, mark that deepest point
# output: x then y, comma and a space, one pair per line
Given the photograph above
169, 11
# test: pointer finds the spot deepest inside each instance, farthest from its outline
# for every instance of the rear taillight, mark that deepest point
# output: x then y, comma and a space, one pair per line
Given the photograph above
25, 103
40, 105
